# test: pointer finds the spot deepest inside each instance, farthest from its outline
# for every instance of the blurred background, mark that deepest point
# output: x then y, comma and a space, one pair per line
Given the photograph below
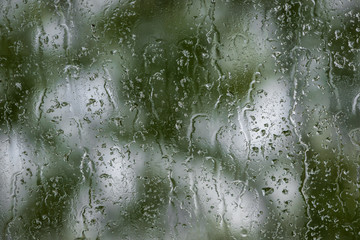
179, 119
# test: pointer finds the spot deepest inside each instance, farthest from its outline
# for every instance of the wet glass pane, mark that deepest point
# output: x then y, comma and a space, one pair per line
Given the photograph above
191, 119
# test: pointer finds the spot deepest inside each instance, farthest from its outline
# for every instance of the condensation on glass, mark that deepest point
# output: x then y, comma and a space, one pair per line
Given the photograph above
193, 119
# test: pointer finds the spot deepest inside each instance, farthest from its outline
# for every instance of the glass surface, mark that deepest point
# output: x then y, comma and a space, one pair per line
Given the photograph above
179, 119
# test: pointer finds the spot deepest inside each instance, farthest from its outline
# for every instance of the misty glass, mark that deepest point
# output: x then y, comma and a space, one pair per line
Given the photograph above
179, 119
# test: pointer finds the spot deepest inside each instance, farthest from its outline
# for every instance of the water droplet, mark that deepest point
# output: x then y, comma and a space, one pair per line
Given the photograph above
267, 190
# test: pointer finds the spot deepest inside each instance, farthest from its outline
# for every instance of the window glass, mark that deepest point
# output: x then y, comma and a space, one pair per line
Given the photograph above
179, 119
